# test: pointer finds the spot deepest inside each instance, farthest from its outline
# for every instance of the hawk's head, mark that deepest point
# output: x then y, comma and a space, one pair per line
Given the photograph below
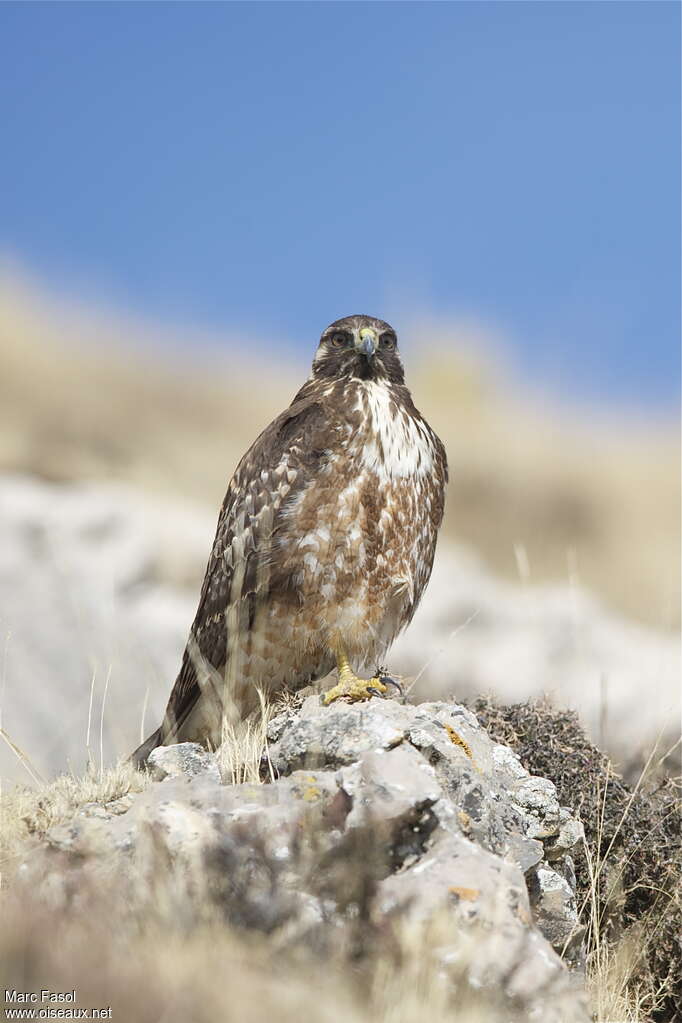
361, 347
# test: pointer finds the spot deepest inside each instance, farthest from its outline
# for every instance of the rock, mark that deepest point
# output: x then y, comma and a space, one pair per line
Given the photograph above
455, 871
185, 760
409, 813
490, 898
86, 835
393, 785
309, 739
118, 806
464, 759
571, 834
538, 801
554, 906
392, 795
93, 810
491, 797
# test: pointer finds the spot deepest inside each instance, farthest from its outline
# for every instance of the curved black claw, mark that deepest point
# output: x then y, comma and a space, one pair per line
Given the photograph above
388, 681
375, 692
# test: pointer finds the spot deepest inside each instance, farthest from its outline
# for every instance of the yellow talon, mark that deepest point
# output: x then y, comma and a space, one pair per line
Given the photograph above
350, 687
354, 690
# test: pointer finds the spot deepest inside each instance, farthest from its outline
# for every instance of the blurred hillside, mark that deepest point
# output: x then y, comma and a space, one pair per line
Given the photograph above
541, 494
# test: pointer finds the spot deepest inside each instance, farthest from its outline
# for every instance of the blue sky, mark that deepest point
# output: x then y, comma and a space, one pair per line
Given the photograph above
269, 167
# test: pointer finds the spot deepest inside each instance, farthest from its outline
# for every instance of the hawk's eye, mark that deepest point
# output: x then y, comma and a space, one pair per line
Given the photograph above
387, 341
340, 339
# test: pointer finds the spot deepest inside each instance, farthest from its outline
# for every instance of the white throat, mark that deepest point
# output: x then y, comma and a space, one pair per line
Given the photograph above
395, 445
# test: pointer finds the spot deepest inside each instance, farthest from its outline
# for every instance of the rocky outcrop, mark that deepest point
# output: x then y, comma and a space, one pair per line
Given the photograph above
380, 812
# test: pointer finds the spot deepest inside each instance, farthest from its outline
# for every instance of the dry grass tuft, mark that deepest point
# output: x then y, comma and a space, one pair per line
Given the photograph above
243, 754
27, 814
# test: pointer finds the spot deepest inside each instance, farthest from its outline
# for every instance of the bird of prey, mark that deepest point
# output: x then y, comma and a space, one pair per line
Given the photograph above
324, 546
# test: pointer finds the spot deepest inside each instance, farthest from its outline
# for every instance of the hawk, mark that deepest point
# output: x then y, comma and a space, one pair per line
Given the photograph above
324, 546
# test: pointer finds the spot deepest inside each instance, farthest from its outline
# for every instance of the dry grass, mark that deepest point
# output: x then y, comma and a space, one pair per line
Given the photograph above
615, 992
633, 970
629, 876
540, 493
243, 754
27, 814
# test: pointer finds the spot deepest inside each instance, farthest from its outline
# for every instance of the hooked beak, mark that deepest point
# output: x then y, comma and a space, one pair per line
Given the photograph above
367, 342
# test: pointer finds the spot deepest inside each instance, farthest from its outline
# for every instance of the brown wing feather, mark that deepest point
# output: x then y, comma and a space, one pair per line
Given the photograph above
288, 452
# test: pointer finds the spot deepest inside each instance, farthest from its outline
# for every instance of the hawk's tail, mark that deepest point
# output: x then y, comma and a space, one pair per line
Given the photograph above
139, 758
181, 703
